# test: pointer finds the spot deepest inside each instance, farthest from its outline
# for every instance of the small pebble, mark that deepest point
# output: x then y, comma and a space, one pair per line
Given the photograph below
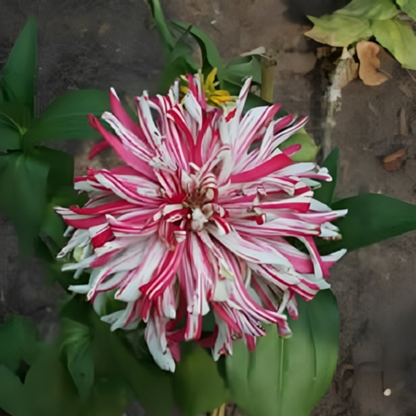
387, 392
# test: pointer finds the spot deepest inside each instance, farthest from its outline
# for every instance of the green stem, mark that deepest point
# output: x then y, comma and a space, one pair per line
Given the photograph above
267, 78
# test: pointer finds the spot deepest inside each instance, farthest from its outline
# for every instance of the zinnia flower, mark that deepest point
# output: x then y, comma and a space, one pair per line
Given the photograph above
197, 222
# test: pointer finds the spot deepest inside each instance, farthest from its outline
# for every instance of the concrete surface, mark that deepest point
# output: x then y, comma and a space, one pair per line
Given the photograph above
103, 43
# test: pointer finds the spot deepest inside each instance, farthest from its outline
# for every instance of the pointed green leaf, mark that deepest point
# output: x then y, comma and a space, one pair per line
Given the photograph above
371, 218
145, 379
179, 63
23, 185
77, 347
54, 226
288, 376
9, 136
326, 192
175, 68
370, 9
339, 30
408, 6
309, 149
197, 386
398, 37
167, 39
66, 117
49, 389
12, 399
239, 69
18, 78
16, 115
210, 55
61, 167
19, 341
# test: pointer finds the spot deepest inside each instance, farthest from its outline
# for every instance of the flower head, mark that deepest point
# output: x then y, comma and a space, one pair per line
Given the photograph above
197, 221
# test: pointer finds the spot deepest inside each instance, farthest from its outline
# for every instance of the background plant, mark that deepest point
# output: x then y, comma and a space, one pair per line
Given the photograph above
387, 21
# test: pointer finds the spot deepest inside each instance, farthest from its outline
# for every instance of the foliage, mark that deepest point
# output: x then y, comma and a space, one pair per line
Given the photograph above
197, 384
360, 20
272, 379
33, 177
179, 59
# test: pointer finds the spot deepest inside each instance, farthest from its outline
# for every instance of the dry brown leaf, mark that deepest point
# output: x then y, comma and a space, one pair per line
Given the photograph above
347, 69
370, 64
395, 160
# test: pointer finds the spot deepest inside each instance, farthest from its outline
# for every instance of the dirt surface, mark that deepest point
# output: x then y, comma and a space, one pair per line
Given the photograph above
103, 43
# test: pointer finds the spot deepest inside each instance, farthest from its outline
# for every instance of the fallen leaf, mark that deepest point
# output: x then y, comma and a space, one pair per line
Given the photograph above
394, 161
370, 64
347, 69
261, 50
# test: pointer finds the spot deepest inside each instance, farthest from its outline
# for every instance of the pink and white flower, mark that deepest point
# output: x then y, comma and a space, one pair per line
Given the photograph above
197, 221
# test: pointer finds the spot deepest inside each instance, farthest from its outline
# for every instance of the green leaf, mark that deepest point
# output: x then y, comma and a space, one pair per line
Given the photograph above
339, 30
49, 390
351, 23
19, 73
210, 56
12, 394
66, 117
288, 376
326, 192
53, 225
238, 69
146, 380
408, 6
179, 63
61, 167
398, 37
77, 347
9, 136
309, 149
114, 359
370, 9
164, 32
19, 342
197, 386
371, 218
23, 182
16, 115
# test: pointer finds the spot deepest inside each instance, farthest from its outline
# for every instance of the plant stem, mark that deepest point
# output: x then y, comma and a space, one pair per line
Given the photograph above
267, 78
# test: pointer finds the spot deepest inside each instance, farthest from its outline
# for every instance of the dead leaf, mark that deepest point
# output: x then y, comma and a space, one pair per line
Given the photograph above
394, 161
347, 69
370, 64
261, 50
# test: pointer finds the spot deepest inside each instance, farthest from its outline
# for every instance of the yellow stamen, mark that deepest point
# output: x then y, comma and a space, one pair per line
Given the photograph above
213, 96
